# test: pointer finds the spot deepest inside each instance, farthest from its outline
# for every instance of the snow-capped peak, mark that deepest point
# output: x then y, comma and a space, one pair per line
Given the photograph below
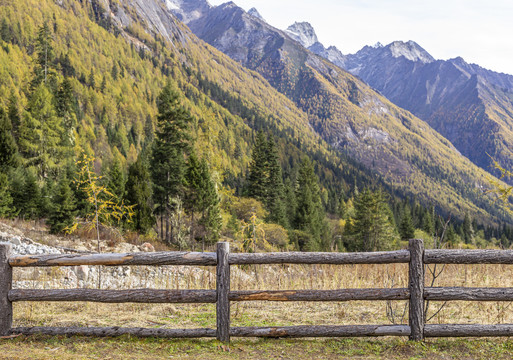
303, 32
254, 12
171, 5
411, 51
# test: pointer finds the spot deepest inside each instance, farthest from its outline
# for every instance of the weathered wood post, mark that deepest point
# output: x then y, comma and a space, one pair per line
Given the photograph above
416, 285
5, 286
223, 290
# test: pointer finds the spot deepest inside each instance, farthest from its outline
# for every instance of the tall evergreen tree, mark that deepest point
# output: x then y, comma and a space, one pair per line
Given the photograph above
26, 193
8, 147
44, 55
65, 109
138, 193
63, 210
210, 204
468, 230
40, 134
373, 223
195, 185
258, 169
309, 211
116, 180
14, 115
6, 200
406, 228
168, 154
275, 197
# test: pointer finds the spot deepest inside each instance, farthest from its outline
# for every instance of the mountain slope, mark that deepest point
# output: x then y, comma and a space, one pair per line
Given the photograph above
469, 105
134, 45
347, 113
131, 48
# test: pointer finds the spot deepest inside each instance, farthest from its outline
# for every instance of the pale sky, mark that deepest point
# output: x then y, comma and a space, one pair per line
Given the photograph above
480, 31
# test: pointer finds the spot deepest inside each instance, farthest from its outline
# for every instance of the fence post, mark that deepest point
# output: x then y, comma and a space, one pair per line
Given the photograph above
5, 287
416, 285
223, 289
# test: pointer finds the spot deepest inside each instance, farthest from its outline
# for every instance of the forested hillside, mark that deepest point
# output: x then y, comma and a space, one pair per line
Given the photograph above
122, 101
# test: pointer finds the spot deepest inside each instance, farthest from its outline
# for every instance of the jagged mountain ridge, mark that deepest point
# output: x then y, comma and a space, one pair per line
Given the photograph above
343, 110
469, 105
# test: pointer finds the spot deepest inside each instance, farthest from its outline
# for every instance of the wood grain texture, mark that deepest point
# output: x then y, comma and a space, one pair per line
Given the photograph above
322, 331
223, 291
148, 296
5, 287
321, 295
416, 286
388, 257
115, 331
468, 294
455, 330
110, 259
468, 257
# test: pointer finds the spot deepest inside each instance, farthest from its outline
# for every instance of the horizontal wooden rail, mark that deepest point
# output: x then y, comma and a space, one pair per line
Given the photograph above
322, 331
454, 330
156, 258
285, 331
468, 257
149, 296
430, 330
321, 295
388, 257
115, 331
469, 294
209, 296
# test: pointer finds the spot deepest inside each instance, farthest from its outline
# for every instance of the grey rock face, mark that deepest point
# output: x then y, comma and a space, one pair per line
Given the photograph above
303, 32
254, 12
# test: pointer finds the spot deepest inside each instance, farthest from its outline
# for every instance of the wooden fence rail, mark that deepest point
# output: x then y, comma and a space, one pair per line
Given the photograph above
416, 293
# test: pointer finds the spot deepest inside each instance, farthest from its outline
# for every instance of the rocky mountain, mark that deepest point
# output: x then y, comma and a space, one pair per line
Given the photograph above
304, 33
254, 12
472, 107
342, 109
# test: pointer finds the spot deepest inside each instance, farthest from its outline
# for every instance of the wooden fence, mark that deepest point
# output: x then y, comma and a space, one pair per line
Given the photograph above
416, 293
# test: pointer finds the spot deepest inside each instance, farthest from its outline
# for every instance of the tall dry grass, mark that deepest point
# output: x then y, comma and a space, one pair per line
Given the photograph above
278, 277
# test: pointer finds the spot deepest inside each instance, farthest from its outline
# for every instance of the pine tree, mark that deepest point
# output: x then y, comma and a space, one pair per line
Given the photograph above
116, 180
168, 154
258, 169
8, 148
44, 206
30, 196
209, 204
6, 200
44, 56
275, 197
427, 222
64, 107
40, 134
138, 193
14, 115
309, 211
406, 228
91, 80
195, 185
468, 230
290, 201
63, 209
372, 228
